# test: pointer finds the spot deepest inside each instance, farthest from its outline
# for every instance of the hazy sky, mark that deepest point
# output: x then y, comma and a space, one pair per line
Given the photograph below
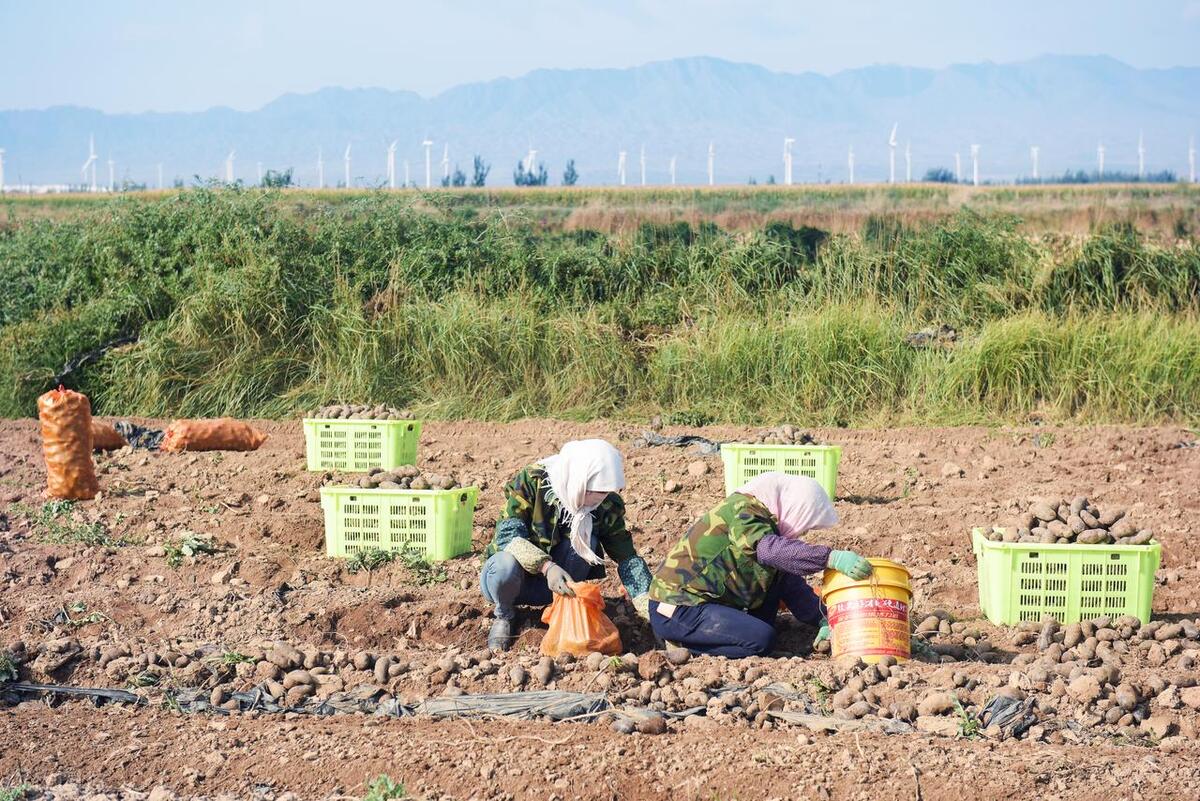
181, 55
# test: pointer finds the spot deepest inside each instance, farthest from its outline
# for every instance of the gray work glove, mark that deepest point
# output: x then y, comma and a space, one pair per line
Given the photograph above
558, 580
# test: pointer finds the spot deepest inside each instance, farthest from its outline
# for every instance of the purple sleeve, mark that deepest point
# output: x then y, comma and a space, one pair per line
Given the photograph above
791, 556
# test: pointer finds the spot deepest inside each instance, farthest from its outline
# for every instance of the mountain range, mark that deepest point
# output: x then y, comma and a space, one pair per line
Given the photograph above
1066, 105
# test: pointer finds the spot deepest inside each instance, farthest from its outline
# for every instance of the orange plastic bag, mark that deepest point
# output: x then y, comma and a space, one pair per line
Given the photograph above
66, 418
224, 434
105, 437
578, 625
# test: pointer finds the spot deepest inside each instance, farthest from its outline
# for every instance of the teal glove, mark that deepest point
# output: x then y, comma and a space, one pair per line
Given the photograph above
850, 563
822, 633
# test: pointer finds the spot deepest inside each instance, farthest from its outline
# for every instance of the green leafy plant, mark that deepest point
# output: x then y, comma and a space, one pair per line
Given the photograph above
820, 692
8, 667
188, 545
369, 558
384, 788
968, 724
14, 793
55, 523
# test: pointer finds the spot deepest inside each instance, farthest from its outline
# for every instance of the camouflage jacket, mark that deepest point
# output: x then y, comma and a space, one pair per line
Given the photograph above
715, 561
531, 511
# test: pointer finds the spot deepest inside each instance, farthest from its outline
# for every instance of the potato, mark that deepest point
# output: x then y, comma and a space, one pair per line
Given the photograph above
1078, 504
1089, 519
392, 485
1143, 537
1111, 516
1044, 512
1124, 528
1076, 524
419, 483
1094, 536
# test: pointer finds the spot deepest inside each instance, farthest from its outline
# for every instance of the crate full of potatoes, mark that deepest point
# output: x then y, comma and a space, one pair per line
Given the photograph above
355, 438
400, 509
784, 449
1067, 560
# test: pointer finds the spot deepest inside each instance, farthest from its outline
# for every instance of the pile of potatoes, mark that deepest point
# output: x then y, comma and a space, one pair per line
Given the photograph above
407, 477
1076, 521
785, 434
361, 411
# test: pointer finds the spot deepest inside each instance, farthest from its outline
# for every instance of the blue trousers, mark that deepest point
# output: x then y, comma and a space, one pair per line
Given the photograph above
505, 584
719, 630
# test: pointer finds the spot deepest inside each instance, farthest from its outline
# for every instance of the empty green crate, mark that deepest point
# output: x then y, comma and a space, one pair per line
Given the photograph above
436, 523
744, 462
1025, 582
356, 446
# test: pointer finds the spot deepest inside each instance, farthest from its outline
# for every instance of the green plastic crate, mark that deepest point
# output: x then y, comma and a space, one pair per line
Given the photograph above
436, 523
1024, 582
356, 446
744, 462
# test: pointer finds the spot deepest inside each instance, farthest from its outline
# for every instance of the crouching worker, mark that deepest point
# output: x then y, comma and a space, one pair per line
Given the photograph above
719, 589
563, 515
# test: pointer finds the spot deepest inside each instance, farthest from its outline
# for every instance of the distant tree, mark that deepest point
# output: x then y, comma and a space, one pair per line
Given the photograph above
177, 183
482, 168
770, 180
459, 178
570, 174
277, 179
523, 177
753, 181
938, 175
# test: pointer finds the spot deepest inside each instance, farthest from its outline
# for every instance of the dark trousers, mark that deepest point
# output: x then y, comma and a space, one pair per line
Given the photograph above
721, 630
505, 584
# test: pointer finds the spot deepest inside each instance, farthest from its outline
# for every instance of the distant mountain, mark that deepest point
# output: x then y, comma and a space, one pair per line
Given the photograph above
1064, 104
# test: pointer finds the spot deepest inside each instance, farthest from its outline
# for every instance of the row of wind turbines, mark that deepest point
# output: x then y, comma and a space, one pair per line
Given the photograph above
529, 163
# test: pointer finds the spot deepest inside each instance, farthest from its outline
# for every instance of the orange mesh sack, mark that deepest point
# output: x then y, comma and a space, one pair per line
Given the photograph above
578, 625
224, 434
66, 418
105, 437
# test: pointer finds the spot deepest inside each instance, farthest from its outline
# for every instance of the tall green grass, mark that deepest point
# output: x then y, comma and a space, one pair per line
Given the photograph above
242, 306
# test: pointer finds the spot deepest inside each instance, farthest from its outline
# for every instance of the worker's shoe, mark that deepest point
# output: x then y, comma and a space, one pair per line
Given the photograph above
500, 636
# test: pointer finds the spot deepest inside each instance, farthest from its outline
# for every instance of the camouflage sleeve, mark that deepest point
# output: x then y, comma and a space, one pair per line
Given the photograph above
528, 556
515, 517
611, 531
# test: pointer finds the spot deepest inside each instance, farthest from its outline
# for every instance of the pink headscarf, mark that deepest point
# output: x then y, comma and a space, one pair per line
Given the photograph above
798, 503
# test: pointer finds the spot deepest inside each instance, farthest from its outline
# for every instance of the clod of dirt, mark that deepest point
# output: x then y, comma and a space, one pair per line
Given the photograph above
698, 469
652, 724
937, 703
651, 665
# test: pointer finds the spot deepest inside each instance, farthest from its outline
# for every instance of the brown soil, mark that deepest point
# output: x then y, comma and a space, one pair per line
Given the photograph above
899, 496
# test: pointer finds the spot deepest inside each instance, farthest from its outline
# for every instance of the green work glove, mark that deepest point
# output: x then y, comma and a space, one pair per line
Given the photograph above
558, 580
850, 563
822, 633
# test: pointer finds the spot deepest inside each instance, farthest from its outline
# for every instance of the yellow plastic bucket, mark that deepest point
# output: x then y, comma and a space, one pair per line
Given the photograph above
869, 618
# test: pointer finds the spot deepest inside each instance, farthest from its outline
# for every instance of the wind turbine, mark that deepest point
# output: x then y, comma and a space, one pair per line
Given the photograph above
446, 163
1033, 152
712, 154
621, 167
1100, 159
406, 178
908, 162
91, 162
112, 175
673, 170
787, 160
229, 167
346, 164
957, 167
530, 160
1191, 159
320, 170
643, 164
428, 144
1141, 157
258, 168
1, 170
391, 164
892, 154
975, 164
850, 163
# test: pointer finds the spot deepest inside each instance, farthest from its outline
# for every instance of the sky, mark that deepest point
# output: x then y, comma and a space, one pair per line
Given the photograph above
187, 55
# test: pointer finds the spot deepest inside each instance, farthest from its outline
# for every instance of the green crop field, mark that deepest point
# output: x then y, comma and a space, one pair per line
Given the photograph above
748, 305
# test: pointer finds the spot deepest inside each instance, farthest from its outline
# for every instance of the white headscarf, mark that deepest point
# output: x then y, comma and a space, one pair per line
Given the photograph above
799, 503
587, 465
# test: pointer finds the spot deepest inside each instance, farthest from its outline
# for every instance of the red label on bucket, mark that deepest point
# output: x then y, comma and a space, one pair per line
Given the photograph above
870, 627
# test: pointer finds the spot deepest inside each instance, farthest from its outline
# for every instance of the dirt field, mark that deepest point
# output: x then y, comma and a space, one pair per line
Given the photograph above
91, 616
